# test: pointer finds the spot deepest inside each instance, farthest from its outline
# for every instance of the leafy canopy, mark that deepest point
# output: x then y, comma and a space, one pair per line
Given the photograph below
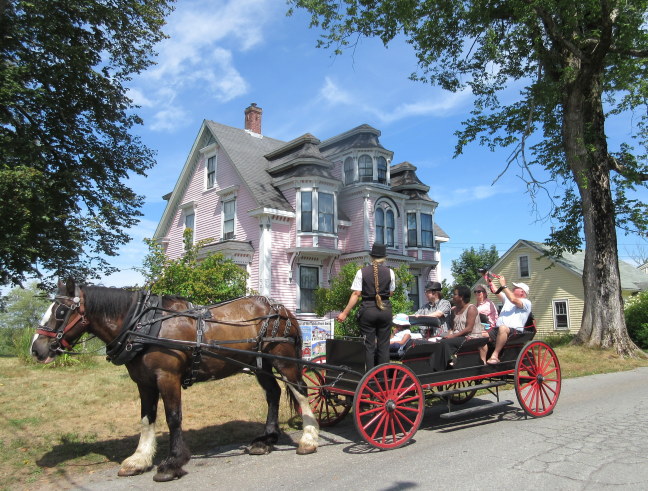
204, 281
599, 48
466, 269
66, 146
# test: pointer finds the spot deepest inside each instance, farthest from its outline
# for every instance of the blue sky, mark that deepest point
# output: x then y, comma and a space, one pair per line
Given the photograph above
223, 55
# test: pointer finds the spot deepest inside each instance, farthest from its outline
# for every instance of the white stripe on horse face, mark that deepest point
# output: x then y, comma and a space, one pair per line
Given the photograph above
43, 322
46, 316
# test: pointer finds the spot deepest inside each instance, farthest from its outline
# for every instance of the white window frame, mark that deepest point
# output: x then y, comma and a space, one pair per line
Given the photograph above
315, 211
210, 151
187, 210
554, 313
519, 265
231, 199
229, 193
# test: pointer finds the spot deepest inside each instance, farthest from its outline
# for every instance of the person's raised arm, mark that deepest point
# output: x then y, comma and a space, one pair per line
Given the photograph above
508, 293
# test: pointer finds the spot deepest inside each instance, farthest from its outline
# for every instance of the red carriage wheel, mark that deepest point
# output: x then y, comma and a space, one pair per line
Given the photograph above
388, 406
462, 397
328, 407
537, 379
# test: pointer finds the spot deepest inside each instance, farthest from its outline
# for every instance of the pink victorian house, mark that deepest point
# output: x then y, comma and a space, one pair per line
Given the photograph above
293, 213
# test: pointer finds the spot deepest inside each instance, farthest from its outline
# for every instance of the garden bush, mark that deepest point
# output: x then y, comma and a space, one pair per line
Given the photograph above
636, 317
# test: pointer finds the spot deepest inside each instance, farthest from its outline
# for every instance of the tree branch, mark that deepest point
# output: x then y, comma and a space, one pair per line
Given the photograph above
624, 171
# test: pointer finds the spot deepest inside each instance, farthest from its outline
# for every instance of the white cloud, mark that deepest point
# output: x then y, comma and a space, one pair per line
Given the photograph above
198, 56
462, 196
169, 118
443, 103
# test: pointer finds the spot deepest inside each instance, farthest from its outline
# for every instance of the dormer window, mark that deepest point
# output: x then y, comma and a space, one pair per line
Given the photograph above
365, 168
211, 171
427, 230
348, 170
381, 166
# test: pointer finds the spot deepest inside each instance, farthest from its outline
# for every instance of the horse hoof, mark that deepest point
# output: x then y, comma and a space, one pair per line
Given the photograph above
306, 449
166, 476
259, 448
129, 472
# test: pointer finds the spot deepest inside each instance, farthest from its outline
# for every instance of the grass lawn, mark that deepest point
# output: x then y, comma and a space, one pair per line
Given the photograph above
61, 421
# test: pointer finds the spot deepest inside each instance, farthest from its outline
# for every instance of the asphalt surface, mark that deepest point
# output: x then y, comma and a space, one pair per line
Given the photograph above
597, 438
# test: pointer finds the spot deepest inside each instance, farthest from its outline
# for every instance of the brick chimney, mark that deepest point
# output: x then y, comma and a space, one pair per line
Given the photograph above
253, 118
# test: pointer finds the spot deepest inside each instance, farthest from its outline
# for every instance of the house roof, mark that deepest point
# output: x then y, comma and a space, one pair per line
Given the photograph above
631, 277
247, 151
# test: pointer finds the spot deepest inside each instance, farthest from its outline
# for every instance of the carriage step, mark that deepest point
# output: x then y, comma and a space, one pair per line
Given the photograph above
443, 393
475, 410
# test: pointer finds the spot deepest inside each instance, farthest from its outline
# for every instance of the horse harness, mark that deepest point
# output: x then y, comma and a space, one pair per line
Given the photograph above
143, 322
69, 316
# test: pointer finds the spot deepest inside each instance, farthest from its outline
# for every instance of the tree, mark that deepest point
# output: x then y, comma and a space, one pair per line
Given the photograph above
24, 307
204, 281
65, 142
466, 269
581, 62
335, 298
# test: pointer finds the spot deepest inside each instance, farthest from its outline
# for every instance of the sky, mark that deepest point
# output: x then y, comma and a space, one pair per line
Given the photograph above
223, 55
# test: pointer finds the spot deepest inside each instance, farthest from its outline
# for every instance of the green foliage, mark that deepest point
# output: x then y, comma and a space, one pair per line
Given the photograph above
336, 297
24, 307
636, 316
66, 147
204, 281
466, 269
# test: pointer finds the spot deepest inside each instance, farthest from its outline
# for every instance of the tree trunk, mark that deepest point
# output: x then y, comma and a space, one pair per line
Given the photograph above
603, 323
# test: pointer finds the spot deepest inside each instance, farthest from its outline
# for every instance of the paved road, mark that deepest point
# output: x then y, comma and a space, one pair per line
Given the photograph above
597, 438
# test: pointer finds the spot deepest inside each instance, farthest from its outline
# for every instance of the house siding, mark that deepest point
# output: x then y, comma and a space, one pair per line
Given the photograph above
265, 177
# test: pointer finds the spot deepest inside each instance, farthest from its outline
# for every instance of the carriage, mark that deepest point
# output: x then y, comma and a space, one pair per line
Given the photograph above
389, 400
165, 343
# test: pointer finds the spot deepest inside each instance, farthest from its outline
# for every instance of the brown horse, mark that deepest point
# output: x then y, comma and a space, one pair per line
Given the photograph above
249, 326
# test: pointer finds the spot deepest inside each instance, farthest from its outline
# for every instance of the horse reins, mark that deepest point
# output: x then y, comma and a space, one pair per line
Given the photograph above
73, 316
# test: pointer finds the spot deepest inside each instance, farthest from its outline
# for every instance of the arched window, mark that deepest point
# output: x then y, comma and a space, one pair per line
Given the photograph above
380, 226
365, 168
381, 165
389, 228
348, 170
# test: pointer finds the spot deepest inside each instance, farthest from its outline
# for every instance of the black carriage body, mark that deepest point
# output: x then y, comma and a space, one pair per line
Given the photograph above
389, 400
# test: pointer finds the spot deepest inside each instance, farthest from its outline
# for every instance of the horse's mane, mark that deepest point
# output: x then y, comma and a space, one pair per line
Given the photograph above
112, 302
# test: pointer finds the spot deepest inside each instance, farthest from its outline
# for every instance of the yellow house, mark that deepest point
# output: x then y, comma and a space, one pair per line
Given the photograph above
556, 286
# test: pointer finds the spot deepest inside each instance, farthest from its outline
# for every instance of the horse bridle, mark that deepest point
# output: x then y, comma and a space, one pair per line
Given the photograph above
74, 314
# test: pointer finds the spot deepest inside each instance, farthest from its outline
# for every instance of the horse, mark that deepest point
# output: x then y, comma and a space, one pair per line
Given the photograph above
239, 328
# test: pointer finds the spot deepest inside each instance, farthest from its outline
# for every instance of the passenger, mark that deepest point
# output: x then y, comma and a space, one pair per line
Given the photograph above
512, 317
374, 284
402, 333
437, 308
465, 324
485, 306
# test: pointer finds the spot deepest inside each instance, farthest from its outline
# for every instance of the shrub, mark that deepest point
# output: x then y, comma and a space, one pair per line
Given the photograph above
636, 317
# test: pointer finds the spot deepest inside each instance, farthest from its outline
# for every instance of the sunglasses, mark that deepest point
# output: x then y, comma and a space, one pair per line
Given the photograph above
479, 291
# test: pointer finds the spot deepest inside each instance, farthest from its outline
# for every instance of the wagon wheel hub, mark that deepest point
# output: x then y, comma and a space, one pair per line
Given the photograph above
540, 378
390, 406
